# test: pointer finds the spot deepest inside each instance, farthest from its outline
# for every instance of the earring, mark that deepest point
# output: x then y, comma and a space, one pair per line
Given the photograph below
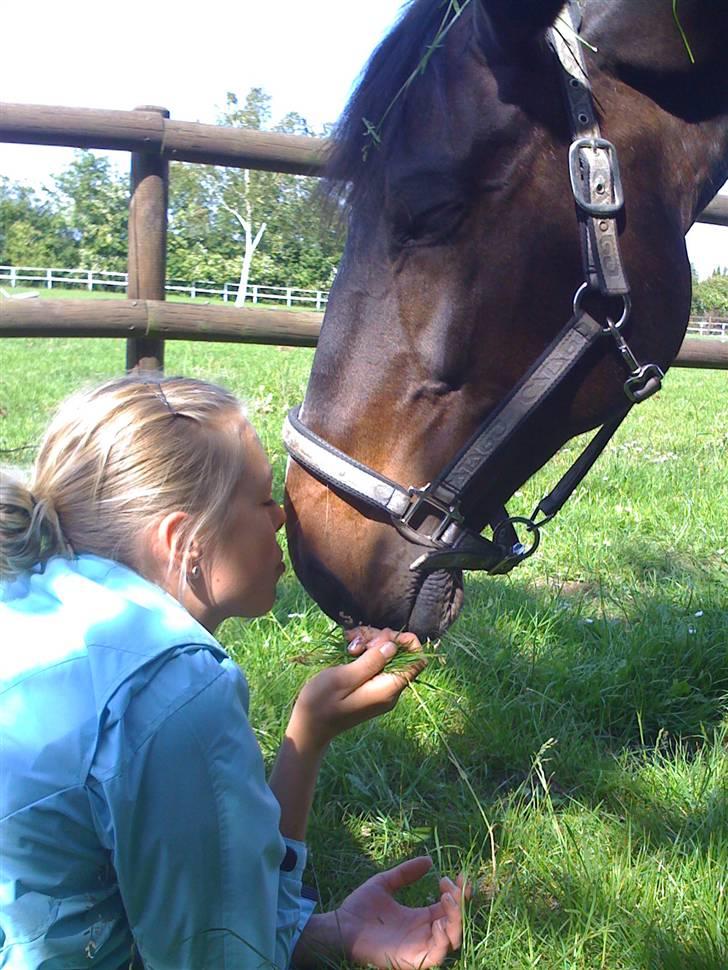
195, 571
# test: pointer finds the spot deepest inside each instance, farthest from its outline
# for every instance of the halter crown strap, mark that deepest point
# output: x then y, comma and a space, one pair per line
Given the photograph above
593, 166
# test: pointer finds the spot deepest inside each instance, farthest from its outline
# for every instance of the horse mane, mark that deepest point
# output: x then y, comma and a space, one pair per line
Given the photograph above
364, 135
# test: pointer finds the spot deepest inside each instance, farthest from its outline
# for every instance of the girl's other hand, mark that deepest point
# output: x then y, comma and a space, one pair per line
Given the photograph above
372, 929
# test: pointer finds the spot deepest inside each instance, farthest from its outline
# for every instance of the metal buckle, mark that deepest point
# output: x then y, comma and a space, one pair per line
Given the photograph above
583, 200
422, 497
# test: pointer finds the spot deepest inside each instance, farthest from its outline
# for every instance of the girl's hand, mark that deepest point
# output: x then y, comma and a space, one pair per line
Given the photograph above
343, 696
372, 929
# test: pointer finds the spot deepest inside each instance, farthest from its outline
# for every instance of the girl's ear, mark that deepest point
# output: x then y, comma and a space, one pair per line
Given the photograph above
169, 540
508, 25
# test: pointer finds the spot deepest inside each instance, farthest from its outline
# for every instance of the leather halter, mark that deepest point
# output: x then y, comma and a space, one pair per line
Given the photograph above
431, 516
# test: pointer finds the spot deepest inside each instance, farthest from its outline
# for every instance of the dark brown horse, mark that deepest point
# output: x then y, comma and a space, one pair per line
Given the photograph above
463, 256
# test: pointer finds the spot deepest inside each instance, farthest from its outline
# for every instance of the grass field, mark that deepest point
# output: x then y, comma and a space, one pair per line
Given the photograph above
571, 750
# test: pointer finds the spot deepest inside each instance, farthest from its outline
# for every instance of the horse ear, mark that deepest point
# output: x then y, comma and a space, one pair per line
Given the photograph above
509, 24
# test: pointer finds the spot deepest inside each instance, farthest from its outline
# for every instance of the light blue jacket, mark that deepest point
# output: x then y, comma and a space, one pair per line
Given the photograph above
134, 809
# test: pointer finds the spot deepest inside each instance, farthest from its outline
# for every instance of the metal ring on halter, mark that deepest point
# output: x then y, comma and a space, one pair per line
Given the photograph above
626, 307
531, 526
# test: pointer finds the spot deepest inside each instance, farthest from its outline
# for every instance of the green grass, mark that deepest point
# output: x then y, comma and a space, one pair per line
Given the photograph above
571, 751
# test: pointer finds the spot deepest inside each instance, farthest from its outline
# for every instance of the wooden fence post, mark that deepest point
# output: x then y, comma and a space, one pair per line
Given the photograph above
147, 245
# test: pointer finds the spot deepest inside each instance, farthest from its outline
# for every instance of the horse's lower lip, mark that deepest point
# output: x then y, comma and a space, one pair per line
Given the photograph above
437, 603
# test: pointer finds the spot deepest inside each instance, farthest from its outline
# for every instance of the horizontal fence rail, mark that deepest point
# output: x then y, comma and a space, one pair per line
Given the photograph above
158, 319
709, 326
149, 132
187, 141
185, 321
153, 140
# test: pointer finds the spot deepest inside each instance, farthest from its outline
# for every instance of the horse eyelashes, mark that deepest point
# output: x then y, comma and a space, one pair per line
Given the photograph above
433, 225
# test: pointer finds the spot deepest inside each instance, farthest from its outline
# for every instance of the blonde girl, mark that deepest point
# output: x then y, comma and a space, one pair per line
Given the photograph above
137, 827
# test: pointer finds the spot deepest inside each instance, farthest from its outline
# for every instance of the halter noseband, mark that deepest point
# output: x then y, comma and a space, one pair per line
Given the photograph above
449, 543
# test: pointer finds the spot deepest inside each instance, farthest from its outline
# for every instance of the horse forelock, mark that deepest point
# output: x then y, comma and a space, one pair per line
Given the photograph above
371, 125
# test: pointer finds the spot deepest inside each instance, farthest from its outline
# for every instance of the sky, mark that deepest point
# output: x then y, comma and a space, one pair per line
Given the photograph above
186, 56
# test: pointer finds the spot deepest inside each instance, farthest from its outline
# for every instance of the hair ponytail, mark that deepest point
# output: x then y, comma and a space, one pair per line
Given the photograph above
30, 531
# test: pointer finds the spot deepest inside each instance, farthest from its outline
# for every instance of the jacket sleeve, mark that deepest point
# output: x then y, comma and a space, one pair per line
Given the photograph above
204, 874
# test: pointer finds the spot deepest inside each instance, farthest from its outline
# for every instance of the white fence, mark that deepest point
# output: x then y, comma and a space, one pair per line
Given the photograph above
709, 326
48, 277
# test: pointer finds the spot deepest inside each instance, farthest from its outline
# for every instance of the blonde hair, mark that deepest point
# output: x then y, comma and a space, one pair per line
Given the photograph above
117, 458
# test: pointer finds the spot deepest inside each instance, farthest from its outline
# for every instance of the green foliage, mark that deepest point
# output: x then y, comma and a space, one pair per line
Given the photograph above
94, 200
300, 246
32, 230
83, 219
710, 297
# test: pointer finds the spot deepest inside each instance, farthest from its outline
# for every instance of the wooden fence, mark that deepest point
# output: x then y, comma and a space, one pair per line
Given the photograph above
144, 319
50, 277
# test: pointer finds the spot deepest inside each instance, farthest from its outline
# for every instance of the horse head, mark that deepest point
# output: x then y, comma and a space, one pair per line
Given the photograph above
463, 256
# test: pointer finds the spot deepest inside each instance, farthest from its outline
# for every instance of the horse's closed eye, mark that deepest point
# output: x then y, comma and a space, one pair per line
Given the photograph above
429, 226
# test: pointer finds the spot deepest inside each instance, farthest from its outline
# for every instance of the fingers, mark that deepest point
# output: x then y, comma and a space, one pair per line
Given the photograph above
439, 947
405, 873
446, 914
448, 886
368, 665
364, 637
452, 921
361, 638
410, 641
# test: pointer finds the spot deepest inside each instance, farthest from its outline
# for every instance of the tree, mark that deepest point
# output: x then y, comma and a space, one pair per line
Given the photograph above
83, 220
32, 231
243, 213
209, 206
710, 297
95, 202
241, 192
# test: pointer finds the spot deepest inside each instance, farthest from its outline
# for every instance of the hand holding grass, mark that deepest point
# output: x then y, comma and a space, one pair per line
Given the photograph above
348, 694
